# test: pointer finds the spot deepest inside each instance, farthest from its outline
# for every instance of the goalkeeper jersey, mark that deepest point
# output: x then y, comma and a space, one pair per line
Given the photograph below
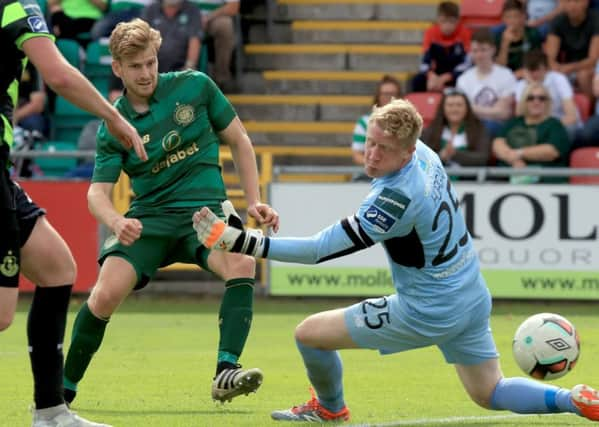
179, 131
21, 20
414, 214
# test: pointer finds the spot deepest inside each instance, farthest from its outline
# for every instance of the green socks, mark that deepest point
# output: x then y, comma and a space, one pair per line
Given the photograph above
235, 318
88, 332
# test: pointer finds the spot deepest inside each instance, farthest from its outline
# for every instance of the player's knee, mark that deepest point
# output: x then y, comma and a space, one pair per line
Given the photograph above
69, 270
103, 301
243, 266
304, 332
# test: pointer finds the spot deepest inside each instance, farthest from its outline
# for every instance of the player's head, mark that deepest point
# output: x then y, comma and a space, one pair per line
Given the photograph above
134, 47
393, 130
448, 17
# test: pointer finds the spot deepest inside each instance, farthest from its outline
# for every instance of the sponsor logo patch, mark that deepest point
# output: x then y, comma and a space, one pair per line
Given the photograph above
392, 202
37, 24
379, 219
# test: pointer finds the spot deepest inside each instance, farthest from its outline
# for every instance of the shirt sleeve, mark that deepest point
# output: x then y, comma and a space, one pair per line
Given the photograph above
22, 20
220, 110
109, 157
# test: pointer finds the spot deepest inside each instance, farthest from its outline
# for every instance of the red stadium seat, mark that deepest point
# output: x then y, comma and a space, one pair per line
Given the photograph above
426, 103
585, 157
481, 13
583, 103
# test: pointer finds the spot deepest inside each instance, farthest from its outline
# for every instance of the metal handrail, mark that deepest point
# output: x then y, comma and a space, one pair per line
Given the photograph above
480, 173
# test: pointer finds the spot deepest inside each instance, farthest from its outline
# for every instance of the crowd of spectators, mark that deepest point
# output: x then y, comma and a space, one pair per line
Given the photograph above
484, 73
509, 91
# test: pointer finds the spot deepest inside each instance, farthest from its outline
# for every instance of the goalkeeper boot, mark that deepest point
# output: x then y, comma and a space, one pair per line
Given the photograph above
586, 399
60, 416
234, 381
311, 411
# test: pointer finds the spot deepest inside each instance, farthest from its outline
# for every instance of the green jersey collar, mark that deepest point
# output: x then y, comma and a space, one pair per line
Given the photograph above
158, 94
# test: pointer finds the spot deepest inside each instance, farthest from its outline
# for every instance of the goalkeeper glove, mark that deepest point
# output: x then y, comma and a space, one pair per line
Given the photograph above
213, 232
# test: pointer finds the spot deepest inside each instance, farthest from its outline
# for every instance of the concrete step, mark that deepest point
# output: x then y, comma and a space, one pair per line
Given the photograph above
324, 82
405, 10
301, 107
332, 57
388, 32
300, 133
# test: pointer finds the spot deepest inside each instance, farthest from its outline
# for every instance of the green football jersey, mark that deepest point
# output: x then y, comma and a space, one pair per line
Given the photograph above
179, 132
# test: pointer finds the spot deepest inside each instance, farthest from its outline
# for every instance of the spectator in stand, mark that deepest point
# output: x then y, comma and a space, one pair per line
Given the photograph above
445, 46
533, 138
541, 13
456, 134
516, 38
488, 86
387, 89
72, 19
118, 11
536, 69
572, 45
588, 135
29, 114
179, 23
217, 22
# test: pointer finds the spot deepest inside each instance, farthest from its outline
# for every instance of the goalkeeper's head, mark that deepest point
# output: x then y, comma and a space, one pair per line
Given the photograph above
393, 131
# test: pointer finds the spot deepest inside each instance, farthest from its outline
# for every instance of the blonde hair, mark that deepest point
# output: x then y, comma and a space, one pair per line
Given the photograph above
129, 38
398, 119
522, 108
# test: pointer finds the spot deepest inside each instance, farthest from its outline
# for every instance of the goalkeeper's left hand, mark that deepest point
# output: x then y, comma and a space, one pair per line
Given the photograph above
213, 232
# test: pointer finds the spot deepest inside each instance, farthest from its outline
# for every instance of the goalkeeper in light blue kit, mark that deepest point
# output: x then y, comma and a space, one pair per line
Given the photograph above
441, 298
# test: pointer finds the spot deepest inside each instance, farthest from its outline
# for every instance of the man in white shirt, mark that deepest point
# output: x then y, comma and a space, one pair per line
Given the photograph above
488, 86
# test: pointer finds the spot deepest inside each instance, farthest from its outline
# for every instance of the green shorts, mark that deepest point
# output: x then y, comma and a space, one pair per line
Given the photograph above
166, 238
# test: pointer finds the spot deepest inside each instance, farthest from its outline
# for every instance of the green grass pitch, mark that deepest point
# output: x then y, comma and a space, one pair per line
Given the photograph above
157, 361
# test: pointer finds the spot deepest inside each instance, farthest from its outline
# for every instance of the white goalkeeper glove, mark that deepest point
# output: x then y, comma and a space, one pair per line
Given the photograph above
229, 236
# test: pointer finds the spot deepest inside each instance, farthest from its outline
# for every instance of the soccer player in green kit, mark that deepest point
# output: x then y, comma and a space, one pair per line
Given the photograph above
182, 118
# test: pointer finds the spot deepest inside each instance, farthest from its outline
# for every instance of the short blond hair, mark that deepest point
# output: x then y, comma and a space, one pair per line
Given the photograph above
130, 38
398, 119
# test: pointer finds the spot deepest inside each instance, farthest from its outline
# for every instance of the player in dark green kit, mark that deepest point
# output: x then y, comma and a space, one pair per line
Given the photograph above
182, 118
28, 242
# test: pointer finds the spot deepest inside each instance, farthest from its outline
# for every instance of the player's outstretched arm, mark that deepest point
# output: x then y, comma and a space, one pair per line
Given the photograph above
67, 81
213, 232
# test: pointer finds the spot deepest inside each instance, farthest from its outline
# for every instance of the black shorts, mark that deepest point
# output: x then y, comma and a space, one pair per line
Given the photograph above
18, 214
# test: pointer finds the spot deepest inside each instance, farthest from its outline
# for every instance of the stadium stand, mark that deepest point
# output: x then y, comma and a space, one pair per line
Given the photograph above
585, 157
583, 104
481, 13
97, 64
54, 167
71, 50
426, 103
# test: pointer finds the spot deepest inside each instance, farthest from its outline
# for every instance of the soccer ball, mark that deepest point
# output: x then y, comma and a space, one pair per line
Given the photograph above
546, 346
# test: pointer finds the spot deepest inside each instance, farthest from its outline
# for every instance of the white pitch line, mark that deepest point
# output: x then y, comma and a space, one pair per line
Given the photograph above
450, 420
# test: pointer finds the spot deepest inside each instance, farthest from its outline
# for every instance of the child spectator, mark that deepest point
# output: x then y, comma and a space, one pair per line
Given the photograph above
516, 38
445, 46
